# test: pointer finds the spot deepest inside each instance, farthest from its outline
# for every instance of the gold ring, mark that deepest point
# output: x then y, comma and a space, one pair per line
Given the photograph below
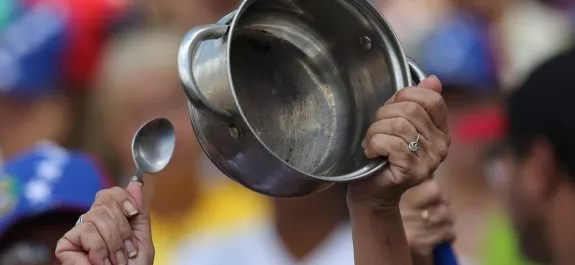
425, 215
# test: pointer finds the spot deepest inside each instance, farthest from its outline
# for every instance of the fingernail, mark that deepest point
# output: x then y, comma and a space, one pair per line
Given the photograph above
129, 207
107, 262
121, 258
130, 248
363, 144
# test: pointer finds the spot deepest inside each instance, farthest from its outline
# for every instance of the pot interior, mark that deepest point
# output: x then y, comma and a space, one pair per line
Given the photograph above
309, 76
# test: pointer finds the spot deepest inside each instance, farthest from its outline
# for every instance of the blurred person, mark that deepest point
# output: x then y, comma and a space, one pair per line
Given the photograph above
533, 169
316, 230
137, 82
373, 203
47, 53
470, 51
181, 15
412, 32
42, 191
471, 93
500, 240
517, 35
461, 175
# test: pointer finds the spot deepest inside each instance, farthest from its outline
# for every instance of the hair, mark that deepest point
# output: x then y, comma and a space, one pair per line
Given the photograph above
542, 108
125, 57
14, 232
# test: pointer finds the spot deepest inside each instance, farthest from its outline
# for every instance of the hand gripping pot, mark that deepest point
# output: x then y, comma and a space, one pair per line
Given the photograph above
282, 92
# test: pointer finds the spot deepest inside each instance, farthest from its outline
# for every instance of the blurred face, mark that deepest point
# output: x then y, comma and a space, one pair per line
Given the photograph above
24, 122
513, 181
152, 94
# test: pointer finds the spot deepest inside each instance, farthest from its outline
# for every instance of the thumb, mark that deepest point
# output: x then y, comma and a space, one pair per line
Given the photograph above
432, 83
136, 190
141, 222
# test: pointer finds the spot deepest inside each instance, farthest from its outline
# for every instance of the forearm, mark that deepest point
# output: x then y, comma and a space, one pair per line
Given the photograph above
419, 260
378, 236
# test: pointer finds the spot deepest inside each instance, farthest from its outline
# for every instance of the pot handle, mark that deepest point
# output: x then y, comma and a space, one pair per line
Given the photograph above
417, 74
188, 48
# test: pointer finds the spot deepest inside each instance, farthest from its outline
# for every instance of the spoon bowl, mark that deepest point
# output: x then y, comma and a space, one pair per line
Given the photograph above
153, 146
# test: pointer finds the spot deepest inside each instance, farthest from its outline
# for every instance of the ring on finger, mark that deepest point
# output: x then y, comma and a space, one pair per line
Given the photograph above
425, 215
80, 220
414, 146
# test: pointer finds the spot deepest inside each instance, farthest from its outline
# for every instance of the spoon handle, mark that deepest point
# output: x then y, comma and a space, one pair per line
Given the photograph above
138, 177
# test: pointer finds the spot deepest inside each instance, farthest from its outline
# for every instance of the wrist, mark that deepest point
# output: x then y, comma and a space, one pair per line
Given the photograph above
366, 204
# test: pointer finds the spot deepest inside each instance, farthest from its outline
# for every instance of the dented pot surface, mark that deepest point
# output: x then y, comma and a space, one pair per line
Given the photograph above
282, 92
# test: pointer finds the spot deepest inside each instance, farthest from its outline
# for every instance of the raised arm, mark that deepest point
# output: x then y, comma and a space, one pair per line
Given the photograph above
411, 131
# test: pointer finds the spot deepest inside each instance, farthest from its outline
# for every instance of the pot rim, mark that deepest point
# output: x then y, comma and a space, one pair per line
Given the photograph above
398, 62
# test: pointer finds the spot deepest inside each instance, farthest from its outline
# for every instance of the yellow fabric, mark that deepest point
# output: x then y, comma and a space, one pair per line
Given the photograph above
222, 206
500, 243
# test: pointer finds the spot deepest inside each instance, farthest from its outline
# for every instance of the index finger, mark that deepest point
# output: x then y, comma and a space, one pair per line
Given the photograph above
430, 100
128, 203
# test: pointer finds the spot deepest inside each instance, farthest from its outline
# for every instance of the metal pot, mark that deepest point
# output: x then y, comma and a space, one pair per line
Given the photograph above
282, 92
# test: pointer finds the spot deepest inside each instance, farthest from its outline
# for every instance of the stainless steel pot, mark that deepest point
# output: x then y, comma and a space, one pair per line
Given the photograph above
282, 92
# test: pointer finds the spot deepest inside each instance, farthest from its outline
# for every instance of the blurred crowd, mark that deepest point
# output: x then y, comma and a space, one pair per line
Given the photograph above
84, 75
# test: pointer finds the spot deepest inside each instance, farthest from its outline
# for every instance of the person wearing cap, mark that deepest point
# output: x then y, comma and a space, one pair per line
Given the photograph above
42, 191
534, 167
48, 50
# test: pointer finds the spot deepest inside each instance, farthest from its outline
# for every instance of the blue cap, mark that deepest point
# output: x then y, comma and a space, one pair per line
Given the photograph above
46, 42
46, 179
459, 52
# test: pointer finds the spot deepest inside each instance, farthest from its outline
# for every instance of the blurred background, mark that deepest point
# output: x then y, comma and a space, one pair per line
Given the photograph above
85, 74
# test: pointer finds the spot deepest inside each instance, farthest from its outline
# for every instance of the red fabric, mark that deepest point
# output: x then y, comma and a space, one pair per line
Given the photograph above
90, 23
481, 125
87, 29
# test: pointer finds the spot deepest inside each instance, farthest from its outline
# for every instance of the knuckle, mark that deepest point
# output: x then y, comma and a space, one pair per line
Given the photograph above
380, 113
433, 190
115, 241
399, 146
100, 194
434, 161
420, 173
96, 213
413, 109
116, 190
403, 94
89, 228
375, 143
98, 252
402, 126
124, 228
436, 101
443, 147
102, 197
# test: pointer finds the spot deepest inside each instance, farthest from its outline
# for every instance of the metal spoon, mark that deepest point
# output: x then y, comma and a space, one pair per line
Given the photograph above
152, 147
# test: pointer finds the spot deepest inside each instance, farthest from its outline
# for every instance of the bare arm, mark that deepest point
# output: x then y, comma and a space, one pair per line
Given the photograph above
411, 132
378, 236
